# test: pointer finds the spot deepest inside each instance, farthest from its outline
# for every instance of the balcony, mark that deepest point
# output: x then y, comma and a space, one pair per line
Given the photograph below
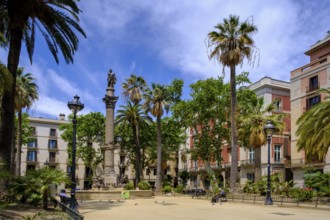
31, 161
216, 166
278, 161
193, 169
278, 109
298, 162
247, 163
53, 161
227, 165
312, 88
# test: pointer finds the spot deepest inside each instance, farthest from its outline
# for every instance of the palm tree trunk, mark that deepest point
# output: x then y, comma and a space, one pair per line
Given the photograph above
257, 164
139, 153
45, 199
159, 180
137, 156
234, 145
8, 112
19, 142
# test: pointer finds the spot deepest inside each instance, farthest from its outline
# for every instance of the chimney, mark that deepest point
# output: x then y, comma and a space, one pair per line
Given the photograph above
62, 116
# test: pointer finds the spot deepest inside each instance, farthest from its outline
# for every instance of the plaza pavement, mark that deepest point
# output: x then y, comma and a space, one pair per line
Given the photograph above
170, 208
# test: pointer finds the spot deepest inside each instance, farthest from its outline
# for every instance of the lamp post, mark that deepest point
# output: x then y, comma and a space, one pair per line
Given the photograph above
269, 130
75, 106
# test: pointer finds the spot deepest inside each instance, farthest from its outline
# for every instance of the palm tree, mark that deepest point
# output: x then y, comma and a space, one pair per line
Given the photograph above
57, 21
229, 45
252, 122
43, 178
156, 100
134, 87
5, 80
134, 115
314, 130
26, 94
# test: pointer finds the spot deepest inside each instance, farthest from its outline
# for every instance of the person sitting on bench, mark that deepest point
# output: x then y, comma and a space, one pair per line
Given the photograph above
217, 197
64, 197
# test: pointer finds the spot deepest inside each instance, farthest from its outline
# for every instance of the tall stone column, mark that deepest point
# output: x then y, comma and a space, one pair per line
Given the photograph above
110, 176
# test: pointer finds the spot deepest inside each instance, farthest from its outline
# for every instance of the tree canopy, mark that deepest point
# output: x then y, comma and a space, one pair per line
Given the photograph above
314, 130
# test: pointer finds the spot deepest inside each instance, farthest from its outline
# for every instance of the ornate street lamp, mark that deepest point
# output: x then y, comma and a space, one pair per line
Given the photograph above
75, 106
269, 129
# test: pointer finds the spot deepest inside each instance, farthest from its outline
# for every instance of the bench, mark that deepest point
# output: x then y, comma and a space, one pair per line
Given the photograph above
65, 200
197, 193
220, 197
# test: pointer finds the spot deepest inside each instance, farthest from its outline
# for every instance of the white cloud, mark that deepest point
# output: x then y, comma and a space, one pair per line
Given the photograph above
178, 30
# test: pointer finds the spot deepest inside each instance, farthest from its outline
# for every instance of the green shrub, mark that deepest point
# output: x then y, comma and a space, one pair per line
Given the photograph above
167, 189
184, 175
167, 183
302, 194
179, 189
35, 199
144, 185
129, 186
216, 190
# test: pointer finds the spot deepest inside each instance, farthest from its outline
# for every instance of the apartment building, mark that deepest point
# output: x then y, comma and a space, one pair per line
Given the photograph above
277, 92
305, 82
47, 148
271, 90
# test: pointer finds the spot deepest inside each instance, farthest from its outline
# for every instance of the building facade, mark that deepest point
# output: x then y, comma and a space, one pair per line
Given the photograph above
273, 91
47, 148
305, 82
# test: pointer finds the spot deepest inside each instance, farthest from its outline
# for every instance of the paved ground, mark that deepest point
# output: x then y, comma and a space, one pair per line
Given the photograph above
170, 208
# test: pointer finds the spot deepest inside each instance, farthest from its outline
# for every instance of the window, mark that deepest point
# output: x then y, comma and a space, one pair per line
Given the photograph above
251, 155
52, 132
155, 172
33, 131
52, 144
250, 176
277, 153
30, 167
68, 169
32, 143
32, 156
310, 102
313, 83
148, 171
278, 105
122, 160
195, 164
88, 172
52, 157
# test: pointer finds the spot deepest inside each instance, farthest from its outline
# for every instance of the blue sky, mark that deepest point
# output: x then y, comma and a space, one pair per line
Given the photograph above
166, 39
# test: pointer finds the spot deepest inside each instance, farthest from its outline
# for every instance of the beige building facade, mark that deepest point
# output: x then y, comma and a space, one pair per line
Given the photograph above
47, 148
305, 82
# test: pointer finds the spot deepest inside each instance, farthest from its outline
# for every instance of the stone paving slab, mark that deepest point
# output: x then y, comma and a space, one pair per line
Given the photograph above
181, 208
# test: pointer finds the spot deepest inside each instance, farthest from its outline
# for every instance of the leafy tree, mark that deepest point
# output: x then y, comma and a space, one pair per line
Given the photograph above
57, 21
314, 129
26, 94
252, 119
89, 127
206, 114
133, 115
158, 99
229, 45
